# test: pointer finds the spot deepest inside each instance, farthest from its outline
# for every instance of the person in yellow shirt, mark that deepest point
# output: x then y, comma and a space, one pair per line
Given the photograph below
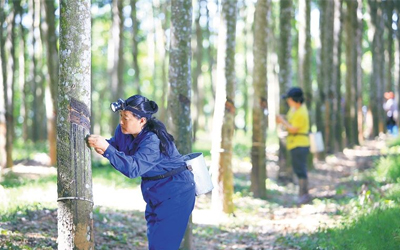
297, 124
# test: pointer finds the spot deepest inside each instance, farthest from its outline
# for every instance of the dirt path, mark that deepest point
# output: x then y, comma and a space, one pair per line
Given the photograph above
256, 224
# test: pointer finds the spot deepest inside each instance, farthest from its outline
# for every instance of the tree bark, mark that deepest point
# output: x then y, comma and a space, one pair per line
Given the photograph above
377, 79
197, 72
285, 78
388, 7
116, 59
327, 73
135, 44
260, 105
338, 83
224, 111
52, 65
3, 62
397, 8
8, 87
179, 99
74, 180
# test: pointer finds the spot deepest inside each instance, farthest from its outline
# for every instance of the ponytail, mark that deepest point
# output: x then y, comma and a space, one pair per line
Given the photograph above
160, 130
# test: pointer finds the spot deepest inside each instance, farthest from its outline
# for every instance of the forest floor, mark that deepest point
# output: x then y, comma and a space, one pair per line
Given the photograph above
256, 224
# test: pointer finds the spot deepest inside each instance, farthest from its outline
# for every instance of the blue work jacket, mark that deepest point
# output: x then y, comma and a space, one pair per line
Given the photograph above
141, 156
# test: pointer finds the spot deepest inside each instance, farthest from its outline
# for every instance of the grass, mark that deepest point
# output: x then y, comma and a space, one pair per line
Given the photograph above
379, 229
370, 220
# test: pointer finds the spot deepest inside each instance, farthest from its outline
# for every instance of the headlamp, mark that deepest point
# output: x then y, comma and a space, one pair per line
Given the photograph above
118, 105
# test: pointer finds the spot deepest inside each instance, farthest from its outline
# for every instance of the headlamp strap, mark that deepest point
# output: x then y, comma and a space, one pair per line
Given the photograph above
137, 112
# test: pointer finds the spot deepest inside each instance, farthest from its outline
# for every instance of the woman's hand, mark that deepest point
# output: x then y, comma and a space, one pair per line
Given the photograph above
98, 142
280, 119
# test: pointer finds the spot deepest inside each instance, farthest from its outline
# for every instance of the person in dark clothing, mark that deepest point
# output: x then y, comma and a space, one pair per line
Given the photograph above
141, 146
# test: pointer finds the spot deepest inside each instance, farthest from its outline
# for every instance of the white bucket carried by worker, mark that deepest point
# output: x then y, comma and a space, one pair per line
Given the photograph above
316, 142
202, 177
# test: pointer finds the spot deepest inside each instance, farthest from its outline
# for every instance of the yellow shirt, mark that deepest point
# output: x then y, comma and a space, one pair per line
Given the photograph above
299, 119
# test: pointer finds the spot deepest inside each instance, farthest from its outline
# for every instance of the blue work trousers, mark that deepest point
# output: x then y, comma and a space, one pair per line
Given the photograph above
167, 221
299, 161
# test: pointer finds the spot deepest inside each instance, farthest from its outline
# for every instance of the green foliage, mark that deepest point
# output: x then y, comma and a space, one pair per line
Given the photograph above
24, 150
388, 168
394, 142
376, 230
13, 180
15, 212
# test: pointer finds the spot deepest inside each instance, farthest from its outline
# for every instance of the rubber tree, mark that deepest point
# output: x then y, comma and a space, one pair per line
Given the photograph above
285, 76
74, 176
260, 105
224, 111
179, 98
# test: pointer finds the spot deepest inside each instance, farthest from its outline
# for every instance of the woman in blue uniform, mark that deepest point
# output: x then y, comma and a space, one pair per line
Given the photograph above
142, 147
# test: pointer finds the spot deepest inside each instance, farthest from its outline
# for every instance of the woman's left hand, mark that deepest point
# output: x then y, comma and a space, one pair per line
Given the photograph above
98, 142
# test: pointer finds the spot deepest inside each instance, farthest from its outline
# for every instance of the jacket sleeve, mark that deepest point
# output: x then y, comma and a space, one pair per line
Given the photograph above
112, 140
145, 158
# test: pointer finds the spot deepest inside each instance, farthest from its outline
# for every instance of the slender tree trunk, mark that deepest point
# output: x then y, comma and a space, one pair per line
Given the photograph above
338, 83
397, 8
350, 90
358, 82
9, 87
179, 99
34, 130
327, 92
164, 62
74, 181
224, 111
135, 44
389, 54
285, 77
260, 105
197, 71
377, 80
22, 72
307, 76
3, 62
248, 34
52, 65
115, 57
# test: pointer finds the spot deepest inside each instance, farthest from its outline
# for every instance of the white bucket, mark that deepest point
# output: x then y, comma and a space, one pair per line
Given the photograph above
202, 177
316, 142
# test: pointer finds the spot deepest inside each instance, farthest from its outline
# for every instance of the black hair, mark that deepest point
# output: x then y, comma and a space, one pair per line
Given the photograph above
298, 99
148, 108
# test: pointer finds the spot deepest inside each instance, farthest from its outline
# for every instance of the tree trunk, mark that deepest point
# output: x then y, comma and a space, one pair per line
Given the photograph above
260, 105
197, 72
357, 24
3, 62
389, 54
116, 59
338, 83
39, 131
285, 78
74, 181
52, 65
224, 111
397, 8
135, 44
327, 72
8, 87
351, 91
179, 118
377, 80
164, 63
